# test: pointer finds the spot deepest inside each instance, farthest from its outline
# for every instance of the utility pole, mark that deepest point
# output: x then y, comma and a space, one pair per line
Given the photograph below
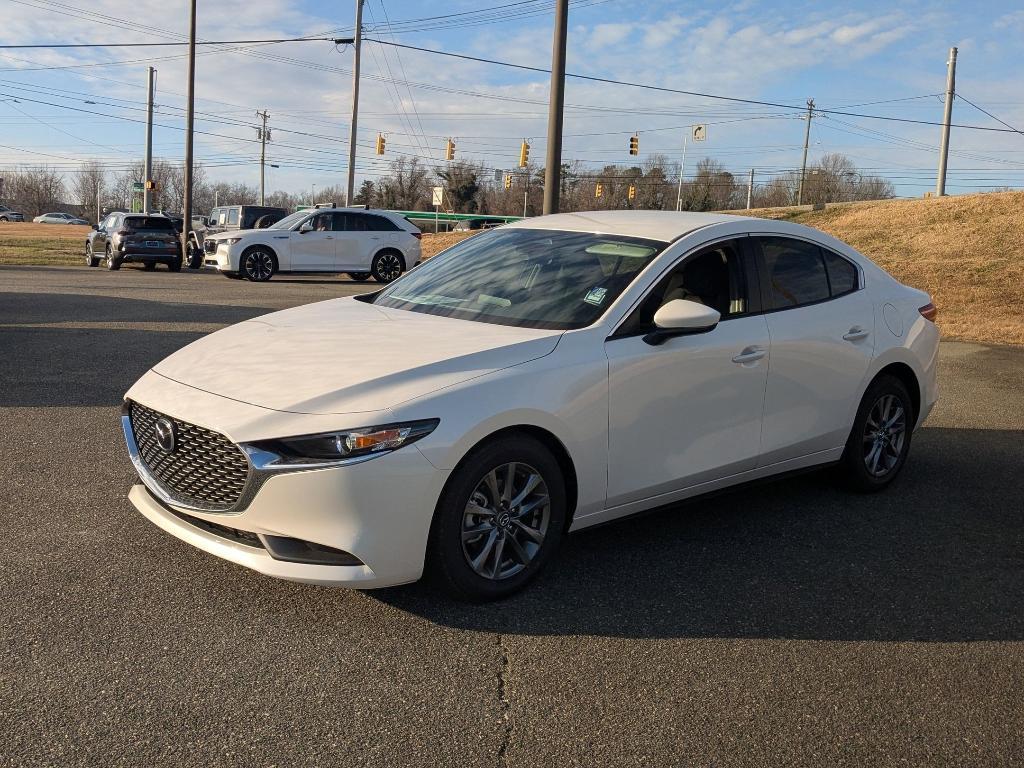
526, 190
264, 137
99, 191
147, 192
750, 189
556, 103
940, 185
189, 128
807, 141
358, 44
682, 165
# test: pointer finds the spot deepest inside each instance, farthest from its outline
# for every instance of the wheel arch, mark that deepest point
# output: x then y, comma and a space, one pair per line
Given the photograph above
906, 375
392, 249
550, 441
265, 247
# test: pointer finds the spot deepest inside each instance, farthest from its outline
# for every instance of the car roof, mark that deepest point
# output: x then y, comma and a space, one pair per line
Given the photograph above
653, 225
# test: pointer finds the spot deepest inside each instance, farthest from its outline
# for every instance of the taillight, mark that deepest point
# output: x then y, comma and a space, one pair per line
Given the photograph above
929, 312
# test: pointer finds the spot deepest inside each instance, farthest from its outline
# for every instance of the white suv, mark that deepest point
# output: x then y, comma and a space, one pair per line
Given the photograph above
356, 241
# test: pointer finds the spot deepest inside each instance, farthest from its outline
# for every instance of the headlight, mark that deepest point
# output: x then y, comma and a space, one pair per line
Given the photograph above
231, 240
350, 444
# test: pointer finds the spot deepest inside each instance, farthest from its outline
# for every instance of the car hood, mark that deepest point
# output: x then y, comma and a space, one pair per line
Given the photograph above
347, 356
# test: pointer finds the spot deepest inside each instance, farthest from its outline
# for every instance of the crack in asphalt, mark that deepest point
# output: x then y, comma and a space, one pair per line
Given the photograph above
506, 707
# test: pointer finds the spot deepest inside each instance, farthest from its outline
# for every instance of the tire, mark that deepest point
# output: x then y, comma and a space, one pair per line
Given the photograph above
506, 555
4, 219
112, 262
232, 275
387, 266
149, 266
361, 277
90, 258
175, 264
258, 264
875, 453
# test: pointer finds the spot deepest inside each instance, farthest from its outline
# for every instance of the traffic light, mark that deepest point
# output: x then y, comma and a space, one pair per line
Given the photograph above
524, 154
508, 181
631, 193
598, 189
449, 151
380, 143
634, 145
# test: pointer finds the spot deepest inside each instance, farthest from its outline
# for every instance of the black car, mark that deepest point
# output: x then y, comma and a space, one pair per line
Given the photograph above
134, 237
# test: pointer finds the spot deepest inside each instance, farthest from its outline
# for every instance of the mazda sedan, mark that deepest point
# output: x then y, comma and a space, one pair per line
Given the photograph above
534, 380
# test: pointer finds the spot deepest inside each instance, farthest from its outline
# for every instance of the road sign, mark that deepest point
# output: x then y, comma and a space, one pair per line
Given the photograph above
138, 186
700, 132
498, 174
438, 196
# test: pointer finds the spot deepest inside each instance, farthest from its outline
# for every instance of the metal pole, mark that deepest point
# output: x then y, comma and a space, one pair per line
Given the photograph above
940, 185
99, 190
556, 102
526, 191
807, 141
147, 195
750, 189
263, 155
682, 165
189, 127
358, 43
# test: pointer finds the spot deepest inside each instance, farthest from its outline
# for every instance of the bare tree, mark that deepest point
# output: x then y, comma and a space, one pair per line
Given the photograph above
35, 189
405, 187
88, 186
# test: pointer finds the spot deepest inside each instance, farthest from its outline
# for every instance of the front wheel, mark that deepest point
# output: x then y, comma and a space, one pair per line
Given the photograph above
258, 265
499, 521
880, 439
387, 266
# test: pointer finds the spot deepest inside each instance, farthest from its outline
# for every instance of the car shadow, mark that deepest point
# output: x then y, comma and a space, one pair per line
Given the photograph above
939, 556
80, 349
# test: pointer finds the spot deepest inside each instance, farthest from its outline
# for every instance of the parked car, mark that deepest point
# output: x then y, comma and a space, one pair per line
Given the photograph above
547, 376
357, 241
232, 218
149, 239
9, 214
469, 225
59, 218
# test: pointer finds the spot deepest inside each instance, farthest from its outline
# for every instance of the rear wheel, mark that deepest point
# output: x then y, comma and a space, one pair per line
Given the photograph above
880, 439
361, 277
387, 266
149, 266
112, 262
258, 264
499, 521
175, 264
91, 259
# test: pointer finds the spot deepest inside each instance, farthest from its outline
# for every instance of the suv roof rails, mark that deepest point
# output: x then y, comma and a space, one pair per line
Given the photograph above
325, 205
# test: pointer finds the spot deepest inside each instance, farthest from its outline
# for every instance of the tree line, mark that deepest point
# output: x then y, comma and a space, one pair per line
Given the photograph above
469, 187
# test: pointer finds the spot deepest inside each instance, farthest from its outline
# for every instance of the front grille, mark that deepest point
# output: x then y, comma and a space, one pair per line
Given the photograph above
205, 469
248, 538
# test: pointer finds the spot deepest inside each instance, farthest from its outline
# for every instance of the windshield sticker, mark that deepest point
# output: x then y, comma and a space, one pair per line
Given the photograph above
596, 296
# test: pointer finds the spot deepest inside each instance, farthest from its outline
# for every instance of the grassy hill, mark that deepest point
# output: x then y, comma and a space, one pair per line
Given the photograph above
966, 251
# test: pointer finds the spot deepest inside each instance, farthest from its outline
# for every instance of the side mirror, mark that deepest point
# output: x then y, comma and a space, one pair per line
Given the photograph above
681, 317
307, 226
96, 227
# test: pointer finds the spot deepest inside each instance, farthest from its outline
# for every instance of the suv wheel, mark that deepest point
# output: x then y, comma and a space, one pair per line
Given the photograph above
387, 266
361, 277
258, 264
499, 521
111, 261
91, 258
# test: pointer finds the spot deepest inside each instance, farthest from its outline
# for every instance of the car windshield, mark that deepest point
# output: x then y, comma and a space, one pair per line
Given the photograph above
147, 222
290, 221
524, 277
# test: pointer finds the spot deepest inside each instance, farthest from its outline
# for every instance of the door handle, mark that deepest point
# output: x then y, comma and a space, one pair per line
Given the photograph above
856, 334
750, 355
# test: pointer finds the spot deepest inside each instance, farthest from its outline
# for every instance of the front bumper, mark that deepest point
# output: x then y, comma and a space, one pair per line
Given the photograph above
378, 510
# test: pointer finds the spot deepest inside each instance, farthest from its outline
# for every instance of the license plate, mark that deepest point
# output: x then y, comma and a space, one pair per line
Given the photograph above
153, 243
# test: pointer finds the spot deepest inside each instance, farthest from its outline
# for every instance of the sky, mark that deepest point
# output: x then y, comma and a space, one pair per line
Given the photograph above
877, 59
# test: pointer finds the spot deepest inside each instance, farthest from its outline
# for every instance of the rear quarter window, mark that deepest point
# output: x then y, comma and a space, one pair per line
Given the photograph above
843, 276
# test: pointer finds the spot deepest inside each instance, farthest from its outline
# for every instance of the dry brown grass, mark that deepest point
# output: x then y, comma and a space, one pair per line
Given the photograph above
966, 251
48, 244
434, 244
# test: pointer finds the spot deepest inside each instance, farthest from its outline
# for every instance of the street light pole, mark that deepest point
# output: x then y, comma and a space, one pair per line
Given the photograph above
682, 165
357, 44
263, 155
556, 103
147, 193
189, 128
807, 141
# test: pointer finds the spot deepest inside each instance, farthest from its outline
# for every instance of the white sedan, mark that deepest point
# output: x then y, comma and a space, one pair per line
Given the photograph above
534, 380
363, 243
59, 218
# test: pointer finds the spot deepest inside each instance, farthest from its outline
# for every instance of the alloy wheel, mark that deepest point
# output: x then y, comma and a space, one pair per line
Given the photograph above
885, 433
389, 267
259, 266
505, 521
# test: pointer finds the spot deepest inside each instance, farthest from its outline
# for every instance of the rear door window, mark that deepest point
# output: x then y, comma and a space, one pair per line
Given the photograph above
794, 272
379, 223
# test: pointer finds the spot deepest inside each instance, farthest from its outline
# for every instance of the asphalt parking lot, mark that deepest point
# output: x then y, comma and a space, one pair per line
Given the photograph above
785, 624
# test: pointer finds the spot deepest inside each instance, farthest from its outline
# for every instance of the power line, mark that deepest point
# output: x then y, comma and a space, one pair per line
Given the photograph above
167, 43
986, 112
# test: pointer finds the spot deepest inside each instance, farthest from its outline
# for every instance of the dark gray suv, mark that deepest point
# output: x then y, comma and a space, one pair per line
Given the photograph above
134, 237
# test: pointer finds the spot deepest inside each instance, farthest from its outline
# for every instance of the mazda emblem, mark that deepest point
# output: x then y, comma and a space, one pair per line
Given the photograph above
166, 435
